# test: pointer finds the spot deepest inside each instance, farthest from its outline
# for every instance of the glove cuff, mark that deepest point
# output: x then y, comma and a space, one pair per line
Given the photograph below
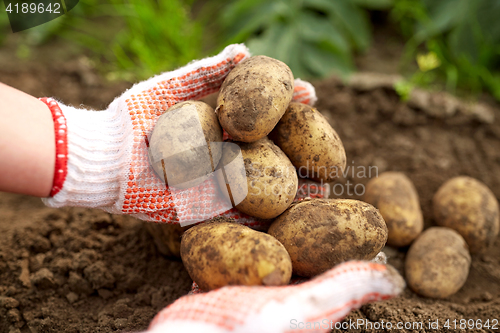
61, 163
91, 154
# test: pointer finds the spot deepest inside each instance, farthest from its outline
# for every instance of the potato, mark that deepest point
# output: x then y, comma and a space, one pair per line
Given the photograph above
469, 207
253, 98
397, 200
218, 254
437, 263
270, 178
310, 142
167, 237
320, 233
182, 148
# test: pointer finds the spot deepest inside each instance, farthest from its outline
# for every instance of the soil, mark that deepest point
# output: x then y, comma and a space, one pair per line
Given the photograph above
379, 130
83, 270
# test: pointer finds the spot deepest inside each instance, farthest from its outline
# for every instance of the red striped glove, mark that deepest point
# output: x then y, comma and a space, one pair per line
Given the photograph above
102, 156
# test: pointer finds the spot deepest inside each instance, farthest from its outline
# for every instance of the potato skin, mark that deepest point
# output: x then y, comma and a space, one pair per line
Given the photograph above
397, 200
437, 263
253, 98
312, 145
469, 207
221, 253
321, 233
167, 237
270, 176
171, 137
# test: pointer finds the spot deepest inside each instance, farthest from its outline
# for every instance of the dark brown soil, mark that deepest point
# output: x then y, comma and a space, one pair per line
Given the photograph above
82, 270
378, 130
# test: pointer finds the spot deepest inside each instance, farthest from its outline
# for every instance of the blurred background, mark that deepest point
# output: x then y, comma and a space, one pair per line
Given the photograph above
451, 45
101, 47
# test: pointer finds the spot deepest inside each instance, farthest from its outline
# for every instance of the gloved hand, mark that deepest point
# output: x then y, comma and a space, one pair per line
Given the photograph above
102, 157
102, 162
326, 299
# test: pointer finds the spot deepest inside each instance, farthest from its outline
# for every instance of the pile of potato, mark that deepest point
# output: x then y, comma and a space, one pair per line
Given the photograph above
438, 260
276, 137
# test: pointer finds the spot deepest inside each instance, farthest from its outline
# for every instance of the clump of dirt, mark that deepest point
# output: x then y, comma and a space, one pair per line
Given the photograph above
79, 270
83, 270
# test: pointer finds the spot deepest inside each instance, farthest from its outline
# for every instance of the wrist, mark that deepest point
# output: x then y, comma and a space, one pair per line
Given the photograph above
26, 144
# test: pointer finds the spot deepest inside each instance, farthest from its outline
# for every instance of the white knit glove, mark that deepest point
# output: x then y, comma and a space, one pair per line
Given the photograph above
102, 156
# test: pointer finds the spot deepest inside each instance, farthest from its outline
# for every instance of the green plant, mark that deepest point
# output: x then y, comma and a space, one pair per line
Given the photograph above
403, 88
159, 35
463, 36
314, 37
4, 24
127, 39
141, 37
25, 42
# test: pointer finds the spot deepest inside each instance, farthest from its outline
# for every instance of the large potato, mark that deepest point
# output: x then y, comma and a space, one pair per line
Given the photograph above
320, 233
437, 263
253, 98
181, 148
469, 207
269, 176
221, 253
312, 145
397, 200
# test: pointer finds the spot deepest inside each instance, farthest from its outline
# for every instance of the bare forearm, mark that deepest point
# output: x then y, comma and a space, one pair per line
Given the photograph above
27, 144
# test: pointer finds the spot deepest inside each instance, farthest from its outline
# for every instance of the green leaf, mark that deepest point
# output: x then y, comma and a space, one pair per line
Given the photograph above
242, 27
237, 10
322, 63
298, 66
374, 4
443, 16
315, 28
403, 88
488, 14
274, 42
349, 17
462, 42
451, 78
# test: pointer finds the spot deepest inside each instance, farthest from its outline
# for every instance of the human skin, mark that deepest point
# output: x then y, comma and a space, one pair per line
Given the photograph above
27, 144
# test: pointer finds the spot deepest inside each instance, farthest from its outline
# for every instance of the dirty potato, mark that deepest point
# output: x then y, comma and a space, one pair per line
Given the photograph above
397, 200
270, 178
221, 253
320, 233
469, 207
167, 237
181, 148
253, 98
437, 263
312, 145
